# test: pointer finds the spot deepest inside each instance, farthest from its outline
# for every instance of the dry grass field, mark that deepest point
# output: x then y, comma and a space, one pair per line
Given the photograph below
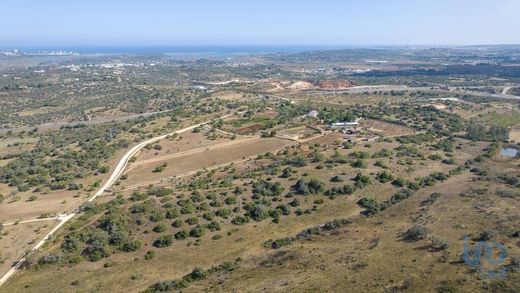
202, 158
365, 254
15, 240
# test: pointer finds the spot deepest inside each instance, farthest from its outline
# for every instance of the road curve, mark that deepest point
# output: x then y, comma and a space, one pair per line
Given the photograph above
118, 171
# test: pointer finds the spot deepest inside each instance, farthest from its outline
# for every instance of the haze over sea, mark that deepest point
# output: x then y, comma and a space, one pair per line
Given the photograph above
184, 50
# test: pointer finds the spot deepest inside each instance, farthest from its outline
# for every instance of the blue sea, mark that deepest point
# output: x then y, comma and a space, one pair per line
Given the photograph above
182, 50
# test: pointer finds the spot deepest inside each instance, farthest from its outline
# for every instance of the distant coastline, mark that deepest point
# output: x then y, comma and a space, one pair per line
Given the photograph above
184, 50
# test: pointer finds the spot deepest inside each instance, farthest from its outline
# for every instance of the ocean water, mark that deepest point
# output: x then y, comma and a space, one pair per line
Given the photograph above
184, 50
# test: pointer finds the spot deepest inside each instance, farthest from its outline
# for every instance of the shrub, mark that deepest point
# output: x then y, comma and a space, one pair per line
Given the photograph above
486, 235
380, 164
399, 182
130, 246
192, 221
70, 244
298, 161
171, 213
384, 177
163, 241
197, 231
104, 169
294, 203
256, 212
370, 204
182, 234
276, 244
159, 228
343, 190
362, 180
214, 226
150, 254
265, 188
49, 259
156, 216
209, 216
230, 201
197, 274
415, 233
160, 168
437, 243
240, 220
359, 163
309, 186
159, 191
177, 223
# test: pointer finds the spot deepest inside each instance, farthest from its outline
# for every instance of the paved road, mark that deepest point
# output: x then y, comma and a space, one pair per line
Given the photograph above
389, 88
118, 171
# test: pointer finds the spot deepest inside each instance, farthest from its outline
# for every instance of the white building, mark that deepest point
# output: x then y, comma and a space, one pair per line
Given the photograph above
345, 125
313, 114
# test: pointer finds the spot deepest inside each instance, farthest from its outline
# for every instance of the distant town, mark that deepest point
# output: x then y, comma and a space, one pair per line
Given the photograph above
16, 52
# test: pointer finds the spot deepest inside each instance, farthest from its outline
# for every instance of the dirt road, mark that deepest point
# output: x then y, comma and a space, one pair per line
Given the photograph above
118, 171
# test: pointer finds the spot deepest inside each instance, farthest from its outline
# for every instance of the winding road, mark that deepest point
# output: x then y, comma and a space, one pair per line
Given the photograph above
118, 171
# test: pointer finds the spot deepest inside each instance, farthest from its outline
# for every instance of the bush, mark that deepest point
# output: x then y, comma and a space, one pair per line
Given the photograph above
256, 212
344, 190
171, 214
415, 233
197, 231
486, 235
49, 259
437, 243
197, 274
309, 186
370, 204
177, 223
295, 202
159, 228
384, 177
160, 168
163, 241
399, 182
359, 163
276, 244
298, 161
265, 188
214, 226
209, 216
362, 180
150, 254
104, 169
230, 201
240, 220
159, 191
130, 246
156, 216
182, 234
70, 244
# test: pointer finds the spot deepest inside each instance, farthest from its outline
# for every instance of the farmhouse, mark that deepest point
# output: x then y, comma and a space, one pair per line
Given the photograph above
313, 114
344, 126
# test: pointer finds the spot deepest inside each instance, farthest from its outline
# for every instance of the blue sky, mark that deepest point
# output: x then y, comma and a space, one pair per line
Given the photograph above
267, 22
